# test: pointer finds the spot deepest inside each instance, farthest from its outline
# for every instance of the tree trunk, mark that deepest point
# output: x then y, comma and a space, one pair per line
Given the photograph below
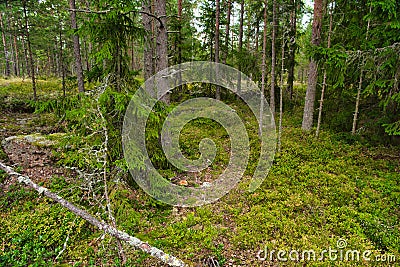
257, 38
30, 55
324, 85
241, 22
273, 55
77, 48
148, 57
217, 15
12, 52
61, 62
180, 9
292, 51
7, 70
354, 128
25, 67
264, 68
313, 68
162, 43
355, 118
17, 67
281, 95
227, 31
248, 31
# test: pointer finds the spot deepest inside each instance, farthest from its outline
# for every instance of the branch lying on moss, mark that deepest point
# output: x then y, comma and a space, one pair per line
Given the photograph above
155, 252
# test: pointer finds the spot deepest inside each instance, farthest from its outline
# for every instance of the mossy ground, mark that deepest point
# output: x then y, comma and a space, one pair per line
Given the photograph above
318, 191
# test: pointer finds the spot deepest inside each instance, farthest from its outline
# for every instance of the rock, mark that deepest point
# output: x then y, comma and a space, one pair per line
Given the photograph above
34, 139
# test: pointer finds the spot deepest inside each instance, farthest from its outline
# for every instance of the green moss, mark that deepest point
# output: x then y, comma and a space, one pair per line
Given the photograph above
317, 191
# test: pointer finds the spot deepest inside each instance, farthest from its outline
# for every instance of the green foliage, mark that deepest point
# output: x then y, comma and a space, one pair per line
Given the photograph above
393, 128
112, 31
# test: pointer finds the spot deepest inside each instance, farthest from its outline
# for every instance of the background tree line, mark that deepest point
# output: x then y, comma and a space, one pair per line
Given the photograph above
349, 53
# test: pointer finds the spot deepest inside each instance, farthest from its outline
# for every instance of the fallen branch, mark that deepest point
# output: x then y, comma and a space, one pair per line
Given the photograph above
155, 252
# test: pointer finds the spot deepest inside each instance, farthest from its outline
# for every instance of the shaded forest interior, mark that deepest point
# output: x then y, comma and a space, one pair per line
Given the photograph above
329, 70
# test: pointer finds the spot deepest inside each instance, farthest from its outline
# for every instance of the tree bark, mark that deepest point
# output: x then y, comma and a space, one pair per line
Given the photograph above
180, 9
30, 55
313, 68
281, 95
355, 118
11, 38
227, 31
162, 44
256, 43
217, 22
17, 67
25, 67
61, 62
264, 69
7, 71
324, 85
241, 22
148, 56
354, 128
113, 231
77, 48
273, 56
292, 46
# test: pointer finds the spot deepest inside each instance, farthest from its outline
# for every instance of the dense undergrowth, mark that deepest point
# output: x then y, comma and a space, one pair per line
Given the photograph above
318, 191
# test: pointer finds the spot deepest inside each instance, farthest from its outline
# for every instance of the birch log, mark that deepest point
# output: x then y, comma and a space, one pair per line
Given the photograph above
155, 252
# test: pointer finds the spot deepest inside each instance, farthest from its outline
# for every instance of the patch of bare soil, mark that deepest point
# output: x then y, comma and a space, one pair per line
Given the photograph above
29, 154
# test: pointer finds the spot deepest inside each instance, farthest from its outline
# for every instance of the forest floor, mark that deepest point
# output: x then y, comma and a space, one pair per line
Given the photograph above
321, 193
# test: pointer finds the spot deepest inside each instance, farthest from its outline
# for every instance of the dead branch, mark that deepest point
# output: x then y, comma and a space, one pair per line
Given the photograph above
105, 160
153, 251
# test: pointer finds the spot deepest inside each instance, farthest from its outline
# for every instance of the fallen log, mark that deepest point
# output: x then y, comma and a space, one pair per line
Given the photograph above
153, 251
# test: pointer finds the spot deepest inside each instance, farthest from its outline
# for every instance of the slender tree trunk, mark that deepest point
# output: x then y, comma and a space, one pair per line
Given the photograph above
217, 22
264, 68
77, 48
132, 50
25, 68
313, 68
7, 71
273, 55
148, 40
354, 128
61, 62
324, 85
292, 51
355, 118
90, 44
30, 55
180, 9
17, 69
12, 52
227, 31
281, 95
49, 63
241, 25
257, 38
162, 43
248, 31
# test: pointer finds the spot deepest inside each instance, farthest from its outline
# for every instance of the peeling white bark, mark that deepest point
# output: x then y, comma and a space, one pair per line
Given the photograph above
153, 251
